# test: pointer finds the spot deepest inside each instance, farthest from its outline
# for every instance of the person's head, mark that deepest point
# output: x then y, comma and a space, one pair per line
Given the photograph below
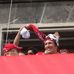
63, 51
32, 50
11, 49
51, 44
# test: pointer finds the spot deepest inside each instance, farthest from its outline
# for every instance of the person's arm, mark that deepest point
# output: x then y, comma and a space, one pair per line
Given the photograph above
35, 29
30, 27
17, 39
18, 35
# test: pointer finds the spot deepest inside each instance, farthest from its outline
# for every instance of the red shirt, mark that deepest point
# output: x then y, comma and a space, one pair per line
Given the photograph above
40, 53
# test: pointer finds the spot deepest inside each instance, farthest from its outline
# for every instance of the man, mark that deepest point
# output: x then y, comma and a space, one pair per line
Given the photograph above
12, 50
50, 45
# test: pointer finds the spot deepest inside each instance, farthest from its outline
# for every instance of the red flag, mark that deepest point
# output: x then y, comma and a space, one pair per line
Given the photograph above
39, 34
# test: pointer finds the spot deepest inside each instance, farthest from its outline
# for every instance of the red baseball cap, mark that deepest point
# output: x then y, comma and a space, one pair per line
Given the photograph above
10, 46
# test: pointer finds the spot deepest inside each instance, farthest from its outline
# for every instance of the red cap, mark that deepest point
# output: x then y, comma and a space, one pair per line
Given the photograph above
10, 46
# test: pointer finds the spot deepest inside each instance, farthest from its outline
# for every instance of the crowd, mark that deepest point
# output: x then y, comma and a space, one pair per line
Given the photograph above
50, 42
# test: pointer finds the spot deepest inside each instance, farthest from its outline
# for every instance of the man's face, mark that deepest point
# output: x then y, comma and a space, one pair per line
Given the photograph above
30, 52
50, 46
12, 52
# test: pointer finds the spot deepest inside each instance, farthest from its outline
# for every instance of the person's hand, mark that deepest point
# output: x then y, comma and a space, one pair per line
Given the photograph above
28, 26
21, 28
25, 26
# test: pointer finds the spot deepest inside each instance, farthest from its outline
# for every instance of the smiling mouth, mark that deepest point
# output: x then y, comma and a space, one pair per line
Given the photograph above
48, 51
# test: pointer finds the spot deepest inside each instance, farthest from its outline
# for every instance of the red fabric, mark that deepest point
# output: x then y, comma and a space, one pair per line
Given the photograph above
40, 53
39, 34
37, 64
10, 46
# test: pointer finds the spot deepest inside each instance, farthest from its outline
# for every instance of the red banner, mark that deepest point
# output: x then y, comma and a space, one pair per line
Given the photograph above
37, 64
